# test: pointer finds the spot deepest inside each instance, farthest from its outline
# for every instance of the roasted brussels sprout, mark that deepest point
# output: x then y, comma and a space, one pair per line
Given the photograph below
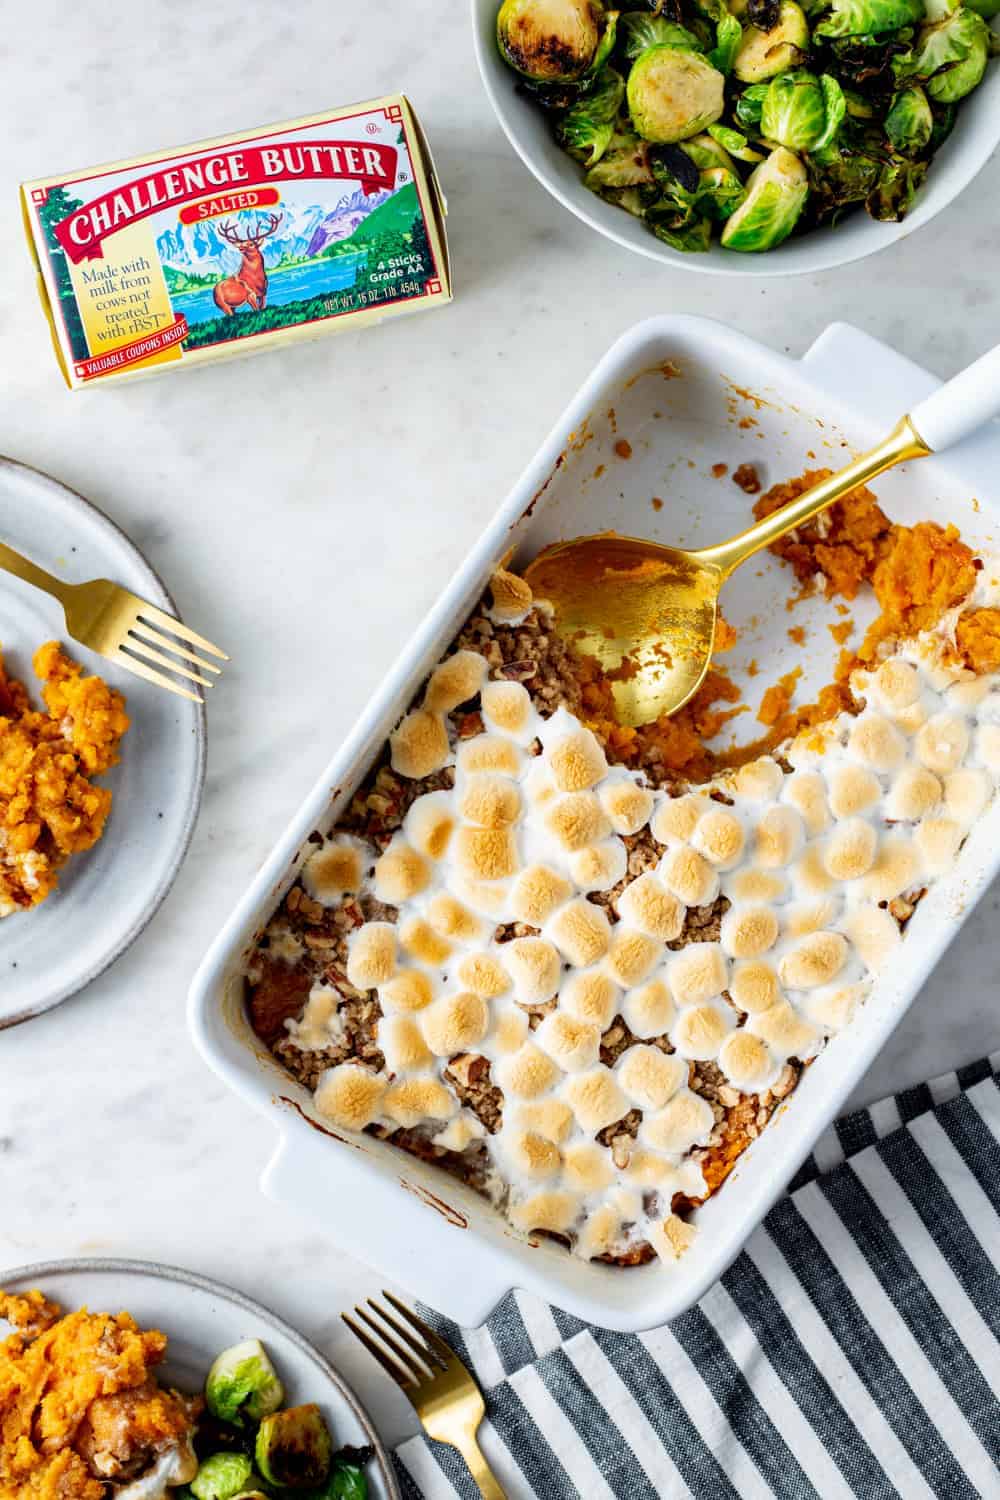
554, 41
863, 18
896, 187
765, 54
673, 93
750, 105
625, 164
587, 127
736, 143
801, 111
910, 121
641, 29
776, 193
294, 1447
222, 1477
949, 57
243, 1385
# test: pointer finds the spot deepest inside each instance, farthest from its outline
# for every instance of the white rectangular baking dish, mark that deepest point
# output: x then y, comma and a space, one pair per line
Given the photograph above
685, 394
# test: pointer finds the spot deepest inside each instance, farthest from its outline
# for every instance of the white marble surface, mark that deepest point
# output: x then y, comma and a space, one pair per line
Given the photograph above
278, 497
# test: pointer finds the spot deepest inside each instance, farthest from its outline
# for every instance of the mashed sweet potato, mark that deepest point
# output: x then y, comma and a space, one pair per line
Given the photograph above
79, 1404
49, 807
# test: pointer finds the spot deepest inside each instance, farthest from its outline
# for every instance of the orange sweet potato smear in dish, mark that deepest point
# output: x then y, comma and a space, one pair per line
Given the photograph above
78, 1399
49, 806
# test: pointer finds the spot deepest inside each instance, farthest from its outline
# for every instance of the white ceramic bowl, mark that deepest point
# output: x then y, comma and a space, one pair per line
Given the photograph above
973, 141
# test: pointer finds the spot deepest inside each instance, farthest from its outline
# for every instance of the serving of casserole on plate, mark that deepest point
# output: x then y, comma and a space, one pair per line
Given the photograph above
582, 969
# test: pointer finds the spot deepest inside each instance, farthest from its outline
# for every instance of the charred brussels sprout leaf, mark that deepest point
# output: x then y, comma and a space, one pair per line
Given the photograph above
243, 1385
909, 124
673, 93
869, 17
764, 14
776, 193
842, 176
736, 143
587, 128
950, 56
625, 164
674, 167
801, 111
690, 235
294, 1447
554, 41
641, 29
868, 62
896, 188
222, 1477
765, 54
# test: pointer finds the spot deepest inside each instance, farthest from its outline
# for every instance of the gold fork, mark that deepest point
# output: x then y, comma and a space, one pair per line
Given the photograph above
433, 1378
129, 631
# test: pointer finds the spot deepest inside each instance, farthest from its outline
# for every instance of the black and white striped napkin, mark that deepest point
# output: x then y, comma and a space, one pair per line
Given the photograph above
853, 1348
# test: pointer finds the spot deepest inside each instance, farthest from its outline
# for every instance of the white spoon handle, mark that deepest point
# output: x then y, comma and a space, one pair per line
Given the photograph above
960, 405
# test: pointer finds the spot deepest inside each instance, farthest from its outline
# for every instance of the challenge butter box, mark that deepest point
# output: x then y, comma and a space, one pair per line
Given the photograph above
238, 244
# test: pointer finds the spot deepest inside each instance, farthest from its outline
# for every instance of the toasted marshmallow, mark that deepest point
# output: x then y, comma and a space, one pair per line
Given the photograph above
913, 794
587, 1167
853, 790
700, 1030
576, 820
649, 907
510, 1032
896, 685
414, 1100
453, 920
534, 965
833, 1006
850, 850
430, 823
786, 1033
489, 800
671, 1237
402, 1043
590, 996
350, 1095
815, 960
649, 1010
689, 876
552, 1211
895, 869
759, 780
485, 853
626, 805
422, 943
573, 1044
686, 1120
650, 1077
942, 743
537, 893
754, 986
551, 1118
779, 837
577, 761
507, 708
800, 918
874, 742
810, 873
874, 934
600, 866
698, 972
371, 955
419, 746
632, 956
459, 1133
747, 1062
484, 974
676, 818
747, 931
455, 1023
489, 752
581, 932
531, 1155
988, 746
335, 870
937, 841
408, 990
967, 793
455, 681
806, 792
595, 1099
400, 874
512, 597
600, 1232
755, 887
719, 836
527, 1073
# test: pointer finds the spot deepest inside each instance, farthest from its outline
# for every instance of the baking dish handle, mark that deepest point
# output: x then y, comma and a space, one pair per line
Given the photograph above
407, 1245
866, 374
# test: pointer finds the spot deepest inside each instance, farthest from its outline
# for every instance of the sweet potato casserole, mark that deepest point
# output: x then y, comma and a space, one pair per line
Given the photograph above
579, 965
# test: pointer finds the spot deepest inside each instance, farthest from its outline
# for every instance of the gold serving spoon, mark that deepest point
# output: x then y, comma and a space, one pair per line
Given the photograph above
648, 613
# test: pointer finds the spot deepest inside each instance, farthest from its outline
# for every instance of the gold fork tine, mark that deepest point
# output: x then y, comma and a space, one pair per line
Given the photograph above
132, 664
389, 1366
443, 1351
154, 616
148, 652
417, 1372
157, 638
422, 1351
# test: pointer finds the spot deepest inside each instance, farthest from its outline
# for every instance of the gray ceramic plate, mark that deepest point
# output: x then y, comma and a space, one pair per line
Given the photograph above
106, 896
201, 1318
